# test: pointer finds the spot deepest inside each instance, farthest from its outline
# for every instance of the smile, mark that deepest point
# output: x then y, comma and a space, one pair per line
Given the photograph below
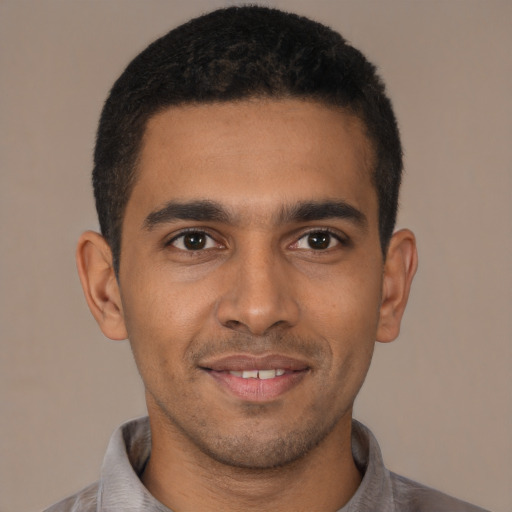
256, 379
258, 374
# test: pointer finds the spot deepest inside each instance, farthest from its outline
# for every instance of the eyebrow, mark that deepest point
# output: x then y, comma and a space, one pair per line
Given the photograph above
211, 211
319, 210
201, 211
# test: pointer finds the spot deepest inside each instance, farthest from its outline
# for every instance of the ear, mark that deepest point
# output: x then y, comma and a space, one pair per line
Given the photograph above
399, 269
101, 289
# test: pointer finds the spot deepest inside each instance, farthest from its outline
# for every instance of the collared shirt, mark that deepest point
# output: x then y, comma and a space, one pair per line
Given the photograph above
120, 489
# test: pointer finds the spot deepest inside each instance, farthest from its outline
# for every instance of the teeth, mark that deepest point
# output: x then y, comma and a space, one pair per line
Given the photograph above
258, 374
266, 374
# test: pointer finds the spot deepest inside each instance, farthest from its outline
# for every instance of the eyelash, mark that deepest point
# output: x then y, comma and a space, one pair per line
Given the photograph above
341, 239
187, 231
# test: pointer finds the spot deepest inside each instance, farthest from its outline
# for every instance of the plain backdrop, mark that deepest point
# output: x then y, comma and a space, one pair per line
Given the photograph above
438, 398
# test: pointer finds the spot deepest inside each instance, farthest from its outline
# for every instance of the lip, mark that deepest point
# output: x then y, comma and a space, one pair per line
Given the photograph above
256, 390
241, 362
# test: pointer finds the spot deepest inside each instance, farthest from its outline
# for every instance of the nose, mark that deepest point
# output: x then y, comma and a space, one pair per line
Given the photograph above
258, 295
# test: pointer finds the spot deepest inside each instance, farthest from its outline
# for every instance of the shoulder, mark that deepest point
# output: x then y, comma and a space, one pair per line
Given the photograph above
412, 496
85, 500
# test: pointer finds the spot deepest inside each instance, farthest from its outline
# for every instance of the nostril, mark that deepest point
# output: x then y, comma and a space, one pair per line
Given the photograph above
232, 324
239, 326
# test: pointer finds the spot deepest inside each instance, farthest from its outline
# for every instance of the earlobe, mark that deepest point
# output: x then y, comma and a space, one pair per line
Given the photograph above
399, 269
99, 283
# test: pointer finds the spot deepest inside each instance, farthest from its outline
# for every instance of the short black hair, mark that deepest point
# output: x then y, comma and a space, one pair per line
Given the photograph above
234, 54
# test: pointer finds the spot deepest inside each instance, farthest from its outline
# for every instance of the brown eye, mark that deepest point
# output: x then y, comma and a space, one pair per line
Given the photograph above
193, 241
319, 240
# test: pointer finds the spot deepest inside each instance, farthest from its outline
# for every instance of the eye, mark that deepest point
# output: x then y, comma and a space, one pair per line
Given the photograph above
317, 240
193, 241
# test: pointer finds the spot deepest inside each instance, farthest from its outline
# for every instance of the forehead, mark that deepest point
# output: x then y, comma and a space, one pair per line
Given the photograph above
254, 155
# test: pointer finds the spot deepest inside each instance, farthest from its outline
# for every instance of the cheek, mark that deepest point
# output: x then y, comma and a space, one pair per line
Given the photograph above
350, 328
157, 298
161, 319
346, 314
346, 304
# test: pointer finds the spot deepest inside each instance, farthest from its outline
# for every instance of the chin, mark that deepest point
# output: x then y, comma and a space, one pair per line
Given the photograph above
260, 451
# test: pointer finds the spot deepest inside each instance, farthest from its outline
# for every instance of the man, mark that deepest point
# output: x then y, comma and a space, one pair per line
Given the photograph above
246, 178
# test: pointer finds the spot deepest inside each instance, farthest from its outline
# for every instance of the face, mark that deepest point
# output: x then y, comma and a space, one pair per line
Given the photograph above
251, 275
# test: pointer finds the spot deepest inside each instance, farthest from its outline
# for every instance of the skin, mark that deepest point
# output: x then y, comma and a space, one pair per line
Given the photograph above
260, 281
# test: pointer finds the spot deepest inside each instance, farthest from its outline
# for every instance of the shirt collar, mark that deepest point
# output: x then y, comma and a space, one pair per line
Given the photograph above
127, 454
375, 491
129, 448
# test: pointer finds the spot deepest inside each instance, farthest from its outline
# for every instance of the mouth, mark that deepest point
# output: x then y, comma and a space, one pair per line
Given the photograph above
258, 374
256, 378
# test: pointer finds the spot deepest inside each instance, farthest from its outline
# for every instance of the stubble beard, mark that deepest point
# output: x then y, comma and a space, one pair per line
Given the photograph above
263, 438
254, 447
244, 452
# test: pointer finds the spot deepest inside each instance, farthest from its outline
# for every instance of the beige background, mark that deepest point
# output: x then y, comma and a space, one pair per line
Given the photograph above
438, 399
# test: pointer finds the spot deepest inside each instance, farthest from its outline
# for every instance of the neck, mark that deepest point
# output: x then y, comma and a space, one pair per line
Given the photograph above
181, 477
